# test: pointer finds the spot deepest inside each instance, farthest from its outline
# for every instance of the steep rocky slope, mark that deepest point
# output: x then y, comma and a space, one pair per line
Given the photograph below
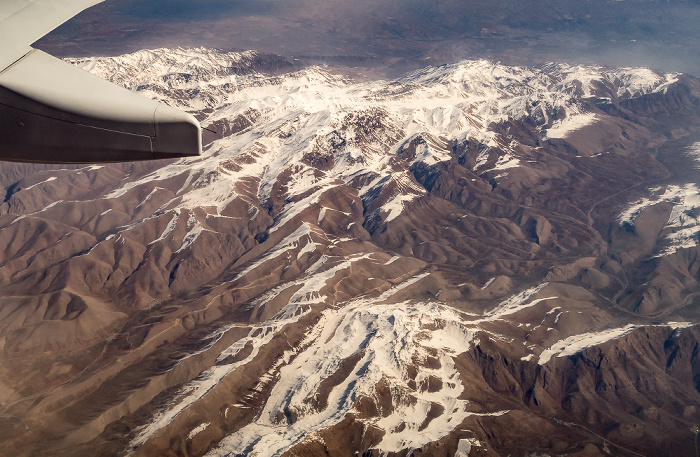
471, 258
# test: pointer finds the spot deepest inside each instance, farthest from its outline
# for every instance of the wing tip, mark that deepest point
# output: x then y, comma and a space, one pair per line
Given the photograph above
177, 133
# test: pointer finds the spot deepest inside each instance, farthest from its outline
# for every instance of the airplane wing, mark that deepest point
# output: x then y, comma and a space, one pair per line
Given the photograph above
54, 112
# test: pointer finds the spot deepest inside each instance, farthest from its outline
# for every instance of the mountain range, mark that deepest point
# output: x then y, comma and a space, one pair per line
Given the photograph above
470, 259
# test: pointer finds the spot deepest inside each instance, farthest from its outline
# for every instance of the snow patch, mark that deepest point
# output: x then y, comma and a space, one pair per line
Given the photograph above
200, 428
517, 303
488, 283
464, 447
52, 178
169, 229
683, 223
282, 248
563, 128
395, 207
576, 343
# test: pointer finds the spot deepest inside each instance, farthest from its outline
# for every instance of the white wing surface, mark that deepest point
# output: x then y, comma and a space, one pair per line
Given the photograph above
22, 22
53, 112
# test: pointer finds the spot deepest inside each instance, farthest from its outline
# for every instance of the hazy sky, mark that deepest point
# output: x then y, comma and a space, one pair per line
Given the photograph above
400, 34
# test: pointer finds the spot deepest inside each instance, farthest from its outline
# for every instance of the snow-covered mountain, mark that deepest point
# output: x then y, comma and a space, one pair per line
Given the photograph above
278, 129
457, 261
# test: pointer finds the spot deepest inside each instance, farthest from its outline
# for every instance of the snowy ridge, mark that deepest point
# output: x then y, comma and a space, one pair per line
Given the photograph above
286, 124
577, 343
562, 128
199, 76
204, 383
386, 342
628, 82
516, 303
207, 380
386, 339
389, 338
683, 225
